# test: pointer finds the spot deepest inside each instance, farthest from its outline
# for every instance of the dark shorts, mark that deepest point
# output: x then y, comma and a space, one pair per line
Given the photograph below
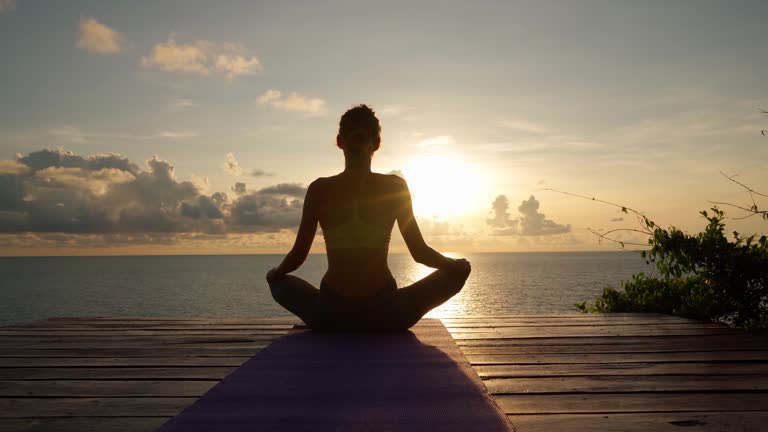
378, 312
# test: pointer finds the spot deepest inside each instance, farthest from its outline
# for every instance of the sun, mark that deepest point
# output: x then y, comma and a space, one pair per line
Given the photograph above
443, 185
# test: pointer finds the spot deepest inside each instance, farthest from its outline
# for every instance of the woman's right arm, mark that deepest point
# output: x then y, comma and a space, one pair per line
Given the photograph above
406, 221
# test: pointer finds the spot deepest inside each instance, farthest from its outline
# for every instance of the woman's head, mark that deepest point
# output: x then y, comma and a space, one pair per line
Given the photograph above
359, 132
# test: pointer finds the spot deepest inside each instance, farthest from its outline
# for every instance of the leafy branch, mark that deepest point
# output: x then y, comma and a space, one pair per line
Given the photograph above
647, 225
752, 209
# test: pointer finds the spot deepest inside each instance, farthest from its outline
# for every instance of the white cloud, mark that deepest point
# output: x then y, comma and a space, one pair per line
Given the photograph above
391, 110
184, 103
234, 65
6, 5
292, 102
171, 57
173, 134
202, 57
530, 223
269, 96
97, 38
12, 167
78, 135
233, 167
61, 192
437, 141
525, 126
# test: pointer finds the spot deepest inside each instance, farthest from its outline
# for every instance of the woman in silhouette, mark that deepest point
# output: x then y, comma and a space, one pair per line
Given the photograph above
356, 210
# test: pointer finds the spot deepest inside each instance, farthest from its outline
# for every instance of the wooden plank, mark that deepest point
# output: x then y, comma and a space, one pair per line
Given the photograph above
692, 356
593, 331
649, 347
89, 325
624, 384
505, 324
712, 341
736, 368
567, 315
13, 334
572, 317
576, 321
286, 319
92, 407
117, 373
164, 351
648, 328
572, 321
87, 388
17, 362
631, 402
599, 330
643, 422
96, 342
138, 344
80, 424
72, 328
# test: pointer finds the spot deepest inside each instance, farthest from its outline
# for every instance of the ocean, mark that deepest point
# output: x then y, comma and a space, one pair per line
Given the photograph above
227, 286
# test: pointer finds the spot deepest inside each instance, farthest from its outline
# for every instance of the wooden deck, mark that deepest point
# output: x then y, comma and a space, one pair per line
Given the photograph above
618, 372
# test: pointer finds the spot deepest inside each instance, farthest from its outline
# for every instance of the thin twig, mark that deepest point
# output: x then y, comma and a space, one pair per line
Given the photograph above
749, 189
602, 236
751, 211
623, 208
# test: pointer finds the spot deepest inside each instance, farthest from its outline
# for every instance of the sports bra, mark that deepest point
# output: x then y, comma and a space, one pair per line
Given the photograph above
355, 233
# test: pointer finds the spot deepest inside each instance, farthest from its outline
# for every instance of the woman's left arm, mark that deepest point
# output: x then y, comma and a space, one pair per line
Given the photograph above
304, 237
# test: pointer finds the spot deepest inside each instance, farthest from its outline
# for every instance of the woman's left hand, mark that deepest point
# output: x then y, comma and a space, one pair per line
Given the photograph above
273, 275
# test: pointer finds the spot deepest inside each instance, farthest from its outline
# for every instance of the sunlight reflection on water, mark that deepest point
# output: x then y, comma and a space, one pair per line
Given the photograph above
234, 286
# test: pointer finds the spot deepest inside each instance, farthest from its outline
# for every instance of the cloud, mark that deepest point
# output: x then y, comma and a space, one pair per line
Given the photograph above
434, 227
530, 222
171, 57
437, 141
234, 65
289, 189
239, 188
391, 110
202, 57
182, 104
6, 5
233, 166
501, 217
97, 38
12, 167
525, 126
292, 102
263, 212
57, 191
78, 135
269, 96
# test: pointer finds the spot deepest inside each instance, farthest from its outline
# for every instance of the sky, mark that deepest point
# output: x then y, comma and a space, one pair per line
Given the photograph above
193, 127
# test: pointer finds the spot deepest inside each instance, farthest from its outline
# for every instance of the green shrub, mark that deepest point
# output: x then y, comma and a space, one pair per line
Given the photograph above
704, 276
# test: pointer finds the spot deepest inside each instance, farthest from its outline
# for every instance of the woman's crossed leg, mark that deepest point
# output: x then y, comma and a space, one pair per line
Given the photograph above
408, 306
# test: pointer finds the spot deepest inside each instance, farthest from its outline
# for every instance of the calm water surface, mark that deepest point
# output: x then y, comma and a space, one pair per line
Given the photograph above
234, 286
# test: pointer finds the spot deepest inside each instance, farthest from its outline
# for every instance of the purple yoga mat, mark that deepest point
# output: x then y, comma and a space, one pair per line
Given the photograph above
306, 381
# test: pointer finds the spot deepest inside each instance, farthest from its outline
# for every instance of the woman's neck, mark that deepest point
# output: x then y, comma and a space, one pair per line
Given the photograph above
357, 166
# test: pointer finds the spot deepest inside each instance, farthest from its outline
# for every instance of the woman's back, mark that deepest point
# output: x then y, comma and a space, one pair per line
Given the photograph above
357, 214
357, 210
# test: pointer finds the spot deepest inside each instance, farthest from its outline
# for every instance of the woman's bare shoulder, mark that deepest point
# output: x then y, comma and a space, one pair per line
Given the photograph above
318, 185
392, 180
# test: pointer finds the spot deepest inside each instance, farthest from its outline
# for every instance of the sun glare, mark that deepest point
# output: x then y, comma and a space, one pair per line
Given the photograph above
443, 185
